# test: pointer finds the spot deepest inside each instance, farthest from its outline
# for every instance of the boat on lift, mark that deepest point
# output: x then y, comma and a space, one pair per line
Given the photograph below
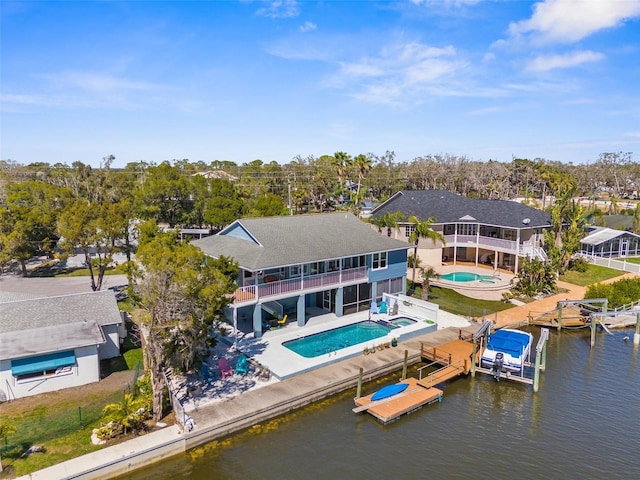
507, 350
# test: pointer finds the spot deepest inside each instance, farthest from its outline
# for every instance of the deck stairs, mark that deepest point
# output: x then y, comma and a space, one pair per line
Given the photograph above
274, 308
454, 358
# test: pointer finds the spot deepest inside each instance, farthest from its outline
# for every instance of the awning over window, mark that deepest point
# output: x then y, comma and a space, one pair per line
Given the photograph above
41, 363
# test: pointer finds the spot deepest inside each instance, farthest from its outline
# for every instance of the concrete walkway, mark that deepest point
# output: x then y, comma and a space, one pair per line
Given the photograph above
517, 315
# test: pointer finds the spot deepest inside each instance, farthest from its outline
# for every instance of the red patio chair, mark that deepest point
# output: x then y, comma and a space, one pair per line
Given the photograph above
225, 368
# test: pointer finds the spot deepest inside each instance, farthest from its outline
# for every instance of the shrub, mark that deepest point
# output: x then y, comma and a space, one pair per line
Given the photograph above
617, 293
579, 264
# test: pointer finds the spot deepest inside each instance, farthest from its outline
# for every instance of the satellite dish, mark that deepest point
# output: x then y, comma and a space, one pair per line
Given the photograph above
526, 221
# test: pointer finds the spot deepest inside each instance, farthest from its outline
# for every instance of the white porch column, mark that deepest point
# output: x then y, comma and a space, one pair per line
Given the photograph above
339, 302
301, 311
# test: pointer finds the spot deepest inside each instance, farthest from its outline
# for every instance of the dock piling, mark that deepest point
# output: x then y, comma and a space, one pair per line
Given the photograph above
404, 365
359, 388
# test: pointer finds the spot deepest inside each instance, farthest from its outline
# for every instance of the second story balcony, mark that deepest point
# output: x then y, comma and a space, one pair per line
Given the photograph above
481, 241
298, 285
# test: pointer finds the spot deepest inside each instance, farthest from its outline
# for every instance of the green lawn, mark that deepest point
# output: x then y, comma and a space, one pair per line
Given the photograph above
64, 429
47, 270
456, 303
594, 274
635, 260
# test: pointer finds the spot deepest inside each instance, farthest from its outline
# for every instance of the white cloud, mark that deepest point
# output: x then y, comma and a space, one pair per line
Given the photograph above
402, 72
308, 27
97, 82
568, 21
280, 9
544, 63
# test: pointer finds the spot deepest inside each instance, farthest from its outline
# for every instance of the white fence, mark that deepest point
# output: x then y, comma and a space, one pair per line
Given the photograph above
615, 263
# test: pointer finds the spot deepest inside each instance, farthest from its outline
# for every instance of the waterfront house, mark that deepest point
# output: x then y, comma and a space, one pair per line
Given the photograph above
306, 265
51, 343
492, 232
607, 242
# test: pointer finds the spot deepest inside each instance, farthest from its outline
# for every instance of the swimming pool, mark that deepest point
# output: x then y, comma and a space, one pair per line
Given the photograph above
402, 321
467, 277
338, 338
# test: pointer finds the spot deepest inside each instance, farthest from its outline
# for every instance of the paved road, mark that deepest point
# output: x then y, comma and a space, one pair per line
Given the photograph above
53, 286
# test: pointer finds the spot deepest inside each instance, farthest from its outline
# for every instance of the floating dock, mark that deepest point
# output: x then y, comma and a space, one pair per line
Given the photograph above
414, 397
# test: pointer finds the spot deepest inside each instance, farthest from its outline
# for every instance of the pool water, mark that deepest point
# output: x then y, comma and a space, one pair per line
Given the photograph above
402, 321
467, 277
337, 338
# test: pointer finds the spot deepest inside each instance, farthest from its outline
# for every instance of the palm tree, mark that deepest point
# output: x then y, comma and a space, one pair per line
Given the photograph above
428, 273
388, 220
422, 230
341, 162
362, 163
125, 412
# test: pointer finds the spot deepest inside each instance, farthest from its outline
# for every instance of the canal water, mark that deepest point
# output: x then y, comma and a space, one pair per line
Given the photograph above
584, 423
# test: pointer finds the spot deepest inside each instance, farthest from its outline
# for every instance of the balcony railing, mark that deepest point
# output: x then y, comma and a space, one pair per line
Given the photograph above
299, 284
473, 240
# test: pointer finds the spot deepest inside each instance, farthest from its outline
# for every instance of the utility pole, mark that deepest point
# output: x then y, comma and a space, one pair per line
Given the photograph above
290, 205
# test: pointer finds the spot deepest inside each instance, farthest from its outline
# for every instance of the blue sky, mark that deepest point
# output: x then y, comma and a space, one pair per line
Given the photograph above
269, 80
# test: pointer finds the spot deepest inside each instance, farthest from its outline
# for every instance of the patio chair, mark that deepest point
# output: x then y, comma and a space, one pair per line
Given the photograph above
225, 368
242, 366
374, 308
282, 322
383, 307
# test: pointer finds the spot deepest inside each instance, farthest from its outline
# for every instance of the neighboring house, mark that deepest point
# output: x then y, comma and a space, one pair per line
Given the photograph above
306, 265
492, 232
221, 174
606, 242
51, 343
366, 207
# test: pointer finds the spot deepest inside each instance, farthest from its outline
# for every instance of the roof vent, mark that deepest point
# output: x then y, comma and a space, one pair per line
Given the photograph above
526, 221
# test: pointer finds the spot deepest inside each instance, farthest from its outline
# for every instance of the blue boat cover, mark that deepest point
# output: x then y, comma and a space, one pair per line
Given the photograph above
42, 363
509, 342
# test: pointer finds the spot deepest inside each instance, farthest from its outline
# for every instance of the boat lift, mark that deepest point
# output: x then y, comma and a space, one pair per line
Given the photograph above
596, 318
539, 366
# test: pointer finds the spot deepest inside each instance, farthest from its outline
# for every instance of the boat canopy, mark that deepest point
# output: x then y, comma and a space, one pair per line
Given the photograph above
509, 341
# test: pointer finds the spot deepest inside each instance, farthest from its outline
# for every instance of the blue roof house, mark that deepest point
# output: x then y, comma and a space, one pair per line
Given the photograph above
306, 265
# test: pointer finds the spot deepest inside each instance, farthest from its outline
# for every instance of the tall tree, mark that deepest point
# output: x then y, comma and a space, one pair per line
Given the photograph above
182, 294
28, 220
362, 164
422, 230
95, 231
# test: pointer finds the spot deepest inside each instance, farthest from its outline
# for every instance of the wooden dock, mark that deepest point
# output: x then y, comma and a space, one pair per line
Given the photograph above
454, 358
389, 409
570, 319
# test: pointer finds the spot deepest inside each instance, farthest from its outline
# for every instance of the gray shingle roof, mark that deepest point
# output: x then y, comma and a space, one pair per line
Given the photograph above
449, 207
100, 307
297, 239
54, 338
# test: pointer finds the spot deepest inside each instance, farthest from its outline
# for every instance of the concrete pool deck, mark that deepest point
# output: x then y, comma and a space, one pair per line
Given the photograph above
284, 363
196, 393
476, 289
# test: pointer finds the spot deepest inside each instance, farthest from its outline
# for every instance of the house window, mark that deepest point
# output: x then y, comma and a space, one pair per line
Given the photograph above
467, 229
294, 271
408, 230
50, 365
379, 261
